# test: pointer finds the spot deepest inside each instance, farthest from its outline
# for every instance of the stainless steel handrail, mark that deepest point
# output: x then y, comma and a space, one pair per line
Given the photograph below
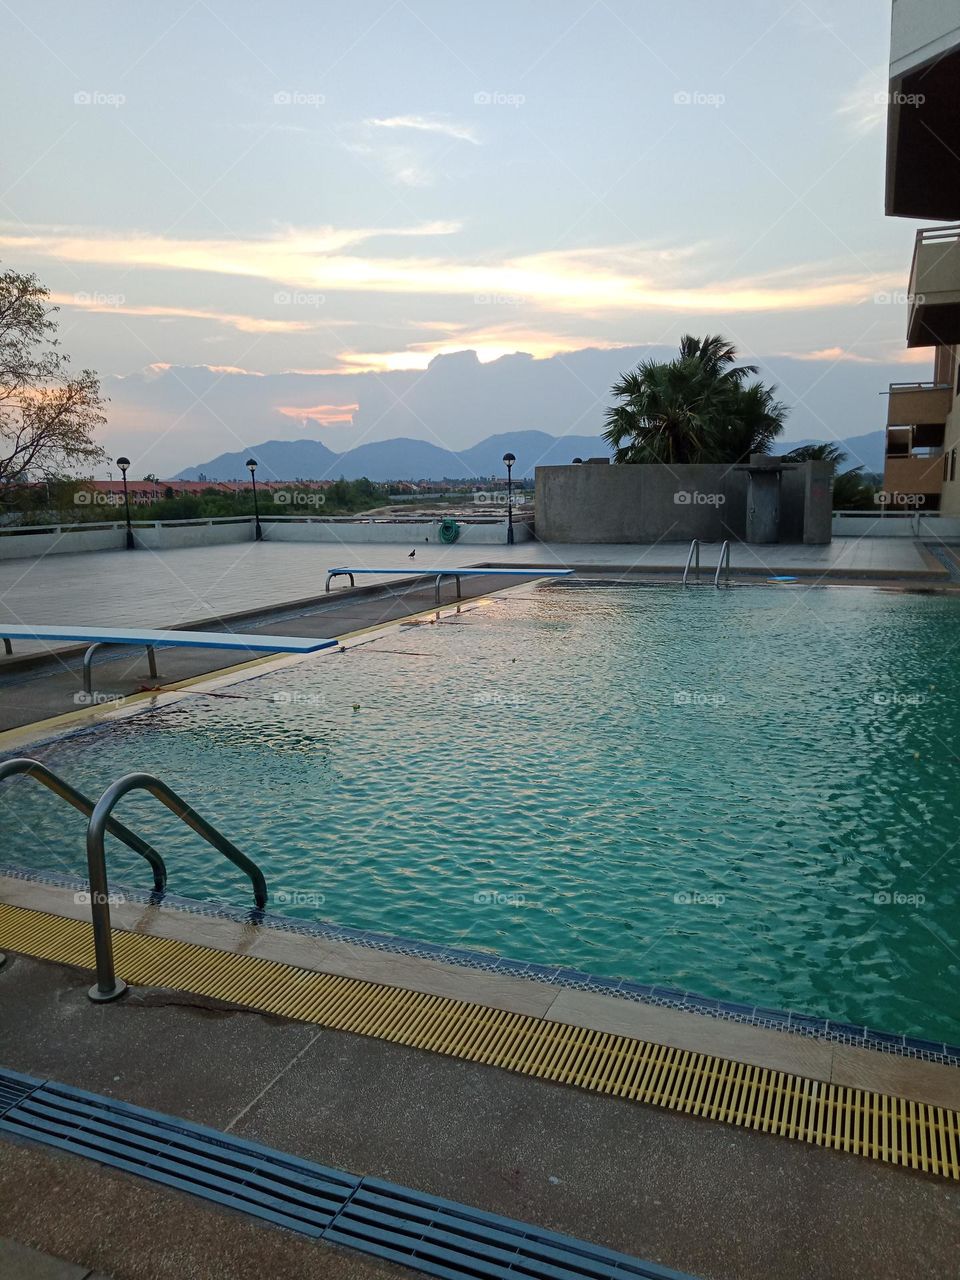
724, 556
108, 986
40, 772
694, 549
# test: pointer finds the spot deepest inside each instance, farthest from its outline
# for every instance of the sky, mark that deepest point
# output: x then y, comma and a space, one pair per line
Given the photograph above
265, 221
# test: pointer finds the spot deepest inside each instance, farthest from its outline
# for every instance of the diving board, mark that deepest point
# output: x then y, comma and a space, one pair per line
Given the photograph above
412, 572
95, 637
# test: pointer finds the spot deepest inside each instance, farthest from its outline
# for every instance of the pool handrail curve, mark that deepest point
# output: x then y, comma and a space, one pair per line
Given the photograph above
108, 986
39, 772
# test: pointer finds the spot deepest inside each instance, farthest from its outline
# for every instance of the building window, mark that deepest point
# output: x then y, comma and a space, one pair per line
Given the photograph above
953, 464
946, 466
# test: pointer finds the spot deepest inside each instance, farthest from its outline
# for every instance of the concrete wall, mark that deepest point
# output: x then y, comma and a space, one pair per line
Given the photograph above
16, 544
650, 503
401, 531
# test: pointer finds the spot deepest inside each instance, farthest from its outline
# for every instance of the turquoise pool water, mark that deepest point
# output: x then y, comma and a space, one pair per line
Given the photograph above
751, 794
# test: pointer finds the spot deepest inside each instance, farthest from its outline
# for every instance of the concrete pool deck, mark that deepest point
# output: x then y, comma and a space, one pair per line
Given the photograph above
699, 1196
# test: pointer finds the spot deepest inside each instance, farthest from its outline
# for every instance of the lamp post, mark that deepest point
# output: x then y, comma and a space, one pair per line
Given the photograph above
257, 531
509, 459
123, 463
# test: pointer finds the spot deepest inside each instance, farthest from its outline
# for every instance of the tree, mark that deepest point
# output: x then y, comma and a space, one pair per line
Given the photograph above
47, 415
699, 407
852, 491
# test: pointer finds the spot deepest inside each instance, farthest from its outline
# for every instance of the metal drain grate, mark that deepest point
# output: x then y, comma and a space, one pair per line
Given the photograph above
438, 1237
14, 1088
914, 1135
240, 1175
455, 1242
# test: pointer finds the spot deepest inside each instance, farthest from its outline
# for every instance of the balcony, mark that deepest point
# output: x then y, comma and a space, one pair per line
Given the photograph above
914, 404
923, 115
914, 455
934, 311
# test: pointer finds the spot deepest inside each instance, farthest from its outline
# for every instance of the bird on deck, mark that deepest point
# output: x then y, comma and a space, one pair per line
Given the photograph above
412, 554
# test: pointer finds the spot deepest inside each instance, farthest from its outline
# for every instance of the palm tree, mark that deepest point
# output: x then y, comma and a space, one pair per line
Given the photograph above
698, 407
852, 491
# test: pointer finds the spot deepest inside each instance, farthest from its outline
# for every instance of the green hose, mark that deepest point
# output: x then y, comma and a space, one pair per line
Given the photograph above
449, 530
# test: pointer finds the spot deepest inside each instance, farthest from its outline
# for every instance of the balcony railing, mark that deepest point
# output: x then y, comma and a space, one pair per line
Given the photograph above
913, 404
934, 311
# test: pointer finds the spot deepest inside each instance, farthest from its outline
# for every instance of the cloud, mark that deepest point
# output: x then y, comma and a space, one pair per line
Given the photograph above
830, 353
592, 282
242, 323
864, 107
427, 124
324, 414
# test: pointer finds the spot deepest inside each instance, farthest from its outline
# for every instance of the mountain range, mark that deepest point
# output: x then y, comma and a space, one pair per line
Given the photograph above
410, 459
400, 459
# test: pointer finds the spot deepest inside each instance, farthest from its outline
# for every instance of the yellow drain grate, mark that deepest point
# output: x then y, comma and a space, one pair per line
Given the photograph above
899, 1131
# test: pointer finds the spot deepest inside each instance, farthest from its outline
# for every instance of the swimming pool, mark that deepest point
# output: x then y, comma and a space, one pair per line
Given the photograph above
746, 793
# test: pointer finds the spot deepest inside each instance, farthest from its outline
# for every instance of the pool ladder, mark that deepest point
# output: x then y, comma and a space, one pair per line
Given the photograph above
693, 557
108, 986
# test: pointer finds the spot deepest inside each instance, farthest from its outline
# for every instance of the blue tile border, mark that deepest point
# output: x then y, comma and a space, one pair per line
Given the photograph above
560, 976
